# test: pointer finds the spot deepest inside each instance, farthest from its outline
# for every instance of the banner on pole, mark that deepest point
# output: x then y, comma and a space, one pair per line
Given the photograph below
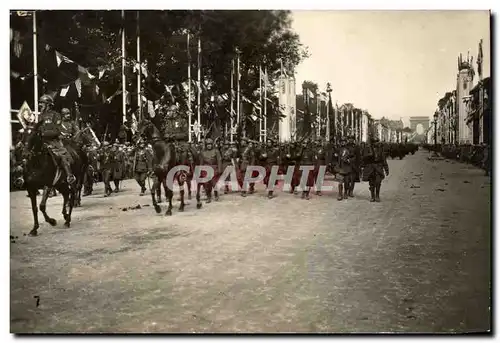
26, 117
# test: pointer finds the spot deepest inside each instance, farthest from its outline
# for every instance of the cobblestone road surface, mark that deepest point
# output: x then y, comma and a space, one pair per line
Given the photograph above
419, 261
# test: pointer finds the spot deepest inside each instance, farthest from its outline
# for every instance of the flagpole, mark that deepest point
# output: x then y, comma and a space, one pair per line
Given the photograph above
190, 114
260, 109
238, 88
199, 85
232, 100
266, 80
318, 108
124, 86
327, 135
35, 65
139, 96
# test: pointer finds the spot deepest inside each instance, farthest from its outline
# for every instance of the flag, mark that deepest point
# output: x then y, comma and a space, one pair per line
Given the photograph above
94, 135
101, 73
144, 69
78, 84
61, 58
151, 109
64, 91
18, 45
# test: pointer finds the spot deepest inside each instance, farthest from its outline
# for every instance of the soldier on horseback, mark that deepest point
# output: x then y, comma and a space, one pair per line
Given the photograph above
68, 126
49, 125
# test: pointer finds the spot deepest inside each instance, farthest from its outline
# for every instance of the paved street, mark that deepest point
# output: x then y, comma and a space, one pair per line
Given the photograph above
419, 261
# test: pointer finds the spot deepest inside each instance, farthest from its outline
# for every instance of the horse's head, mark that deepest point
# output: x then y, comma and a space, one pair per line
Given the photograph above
31, 142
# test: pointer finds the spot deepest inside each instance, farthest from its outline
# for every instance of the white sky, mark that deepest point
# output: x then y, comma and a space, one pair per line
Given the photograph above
391, 63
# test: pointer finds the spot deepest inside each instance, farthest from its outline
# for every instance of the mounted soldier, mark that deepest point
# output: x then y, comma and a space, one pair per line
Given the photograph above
68, 126
49, 124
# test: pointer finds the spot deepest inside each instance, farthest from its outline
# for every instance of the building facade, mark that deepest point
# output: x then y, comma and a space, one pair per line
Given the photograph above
465, 78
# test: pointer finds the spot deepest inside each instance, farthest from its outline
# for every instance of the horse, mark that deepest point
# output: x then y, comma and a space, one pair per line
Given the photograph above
164, 159
42, 171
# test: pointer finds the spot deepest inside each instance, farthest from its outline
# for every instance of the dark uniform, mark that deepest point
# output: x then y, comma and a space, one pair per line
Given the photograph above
354, 176
106, 164
212, 157
308, 159
273, 159
143, 165
295, 159
88, 177
229, 155
375, 164
50, 126
247, 159
344, 157
68, 126
319, 160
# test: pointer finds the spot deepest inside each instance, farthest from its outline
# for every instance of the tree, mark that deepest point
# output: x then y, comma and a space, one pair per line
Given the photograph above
93, 40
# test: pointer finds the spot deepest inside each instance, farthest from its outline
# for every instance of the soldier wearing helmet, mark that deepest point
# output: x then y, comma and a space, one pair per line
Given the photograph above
212, 157
68, 126
143, 164
375, 167
50, 126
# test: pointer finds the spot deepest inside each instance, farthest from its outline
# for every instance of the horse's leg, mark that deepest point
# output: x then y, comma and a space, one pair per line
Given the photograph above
169, 194
69, 196
189, 179
198, 196
32, 194
153, 193
158, 192
208, 191
181, 181
43, 206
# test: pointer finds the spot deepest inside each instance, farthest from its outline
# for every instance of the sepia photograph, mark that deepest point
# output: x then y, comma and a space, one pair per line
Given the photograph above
250, 171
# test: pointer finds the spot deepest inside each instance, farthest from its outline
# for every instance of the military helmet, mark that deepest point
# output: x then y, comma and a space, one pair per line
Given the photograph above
65, 111
46, 99
209, 141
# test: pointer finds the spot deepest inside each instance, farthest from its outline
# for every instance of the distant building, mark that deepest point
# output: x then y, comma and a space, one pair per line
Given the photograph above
465, 78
